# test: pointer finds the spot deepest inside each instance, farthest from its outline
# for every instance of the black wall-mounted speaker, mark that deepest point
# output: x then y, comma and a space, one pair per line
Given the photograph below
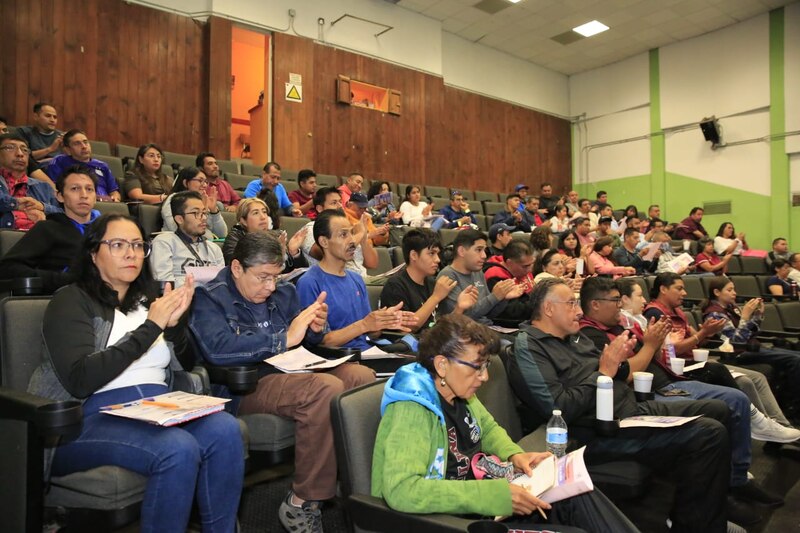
710, 129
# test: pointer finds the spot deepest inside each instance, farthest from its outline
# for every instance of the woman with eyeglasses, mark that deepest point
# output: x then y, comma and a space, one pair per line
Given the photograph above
110, 340
438, 450
380, 210
147, 183
193, 179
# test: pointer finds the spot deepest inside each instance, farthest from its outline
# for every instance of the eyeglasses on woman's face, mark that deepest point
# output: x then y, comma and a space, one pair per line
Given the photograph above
120, 247
479, 368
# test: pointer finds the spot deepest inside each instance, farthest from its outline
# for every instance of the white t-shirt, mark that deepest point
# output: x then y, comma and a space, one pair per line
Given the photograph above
356, 264
151, 367
721, 244
413, 212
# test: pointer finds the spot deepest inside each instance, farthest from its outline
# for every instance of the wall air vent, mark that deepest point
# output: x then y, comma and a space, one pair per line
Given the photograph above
717, 208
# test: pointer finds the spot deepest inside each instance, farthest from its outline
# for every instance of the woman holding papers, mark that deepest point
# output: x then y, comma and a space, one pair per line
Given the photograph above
438, 450
246, 315
110, 341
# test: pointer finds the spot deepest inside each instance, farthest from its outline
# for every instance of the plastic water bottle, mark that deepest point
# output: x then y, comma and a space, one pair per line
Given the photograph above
794, 289
668, 349
556, 440
605, 398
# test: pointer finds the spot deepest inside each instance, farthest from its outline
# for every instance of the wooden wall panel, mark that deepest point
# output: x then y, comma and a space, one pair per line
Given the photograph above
445, 136
124, 73
219, 85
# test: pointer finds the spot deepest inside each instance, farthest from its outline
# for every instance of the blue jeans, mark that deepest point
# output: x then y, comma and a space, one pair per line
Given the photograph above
203, 458
437, 224
738, 425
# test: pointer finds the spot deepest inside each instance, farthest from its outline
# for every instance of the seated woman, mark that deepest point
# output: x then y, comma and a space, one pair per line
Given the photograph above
382, 211
570, 248
741, 327
728, 242
434, 432
108, 341
559, 223
193, 179
600, 260
779, 284
415, 210
708, 260
553, 265
148, 183
253, 216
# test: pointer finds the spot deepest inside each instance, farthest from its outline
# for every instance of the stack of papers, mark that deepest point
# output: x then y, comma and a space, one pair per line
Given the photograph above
653, 421
168, 409
377, 353
558, 478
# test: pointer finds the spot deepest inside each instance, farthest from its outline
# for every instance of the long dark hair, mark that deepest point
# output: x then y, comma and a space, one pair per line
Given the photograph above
716, 283
722, 229
185, 174
566, 251
410, 188
375, 189
138, 168
542, 261
89, 279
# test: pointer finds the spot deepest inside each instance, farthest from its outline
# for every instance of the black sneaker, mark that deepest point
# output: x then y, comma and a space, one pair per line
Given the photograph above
304, 519
751, 492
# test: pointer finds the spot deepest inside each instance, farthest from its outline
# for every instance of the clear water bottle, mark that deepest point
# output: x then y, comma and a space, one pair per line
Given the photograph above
793, 285
668, 349
556, 440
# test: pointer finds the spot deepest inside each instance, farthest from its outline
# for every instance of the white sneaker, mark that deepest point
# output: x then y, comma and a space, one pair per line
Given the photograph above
765, 429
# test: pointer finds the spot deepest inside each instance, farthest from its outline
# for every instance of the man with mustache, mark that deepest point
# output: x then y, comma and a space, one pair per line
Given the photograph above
186, 246
79, 152
349, 314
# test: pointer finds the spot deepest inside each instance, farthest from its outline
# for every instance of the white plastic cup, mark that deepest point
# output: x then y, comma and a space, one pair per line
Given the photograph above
700, 355
642, 381
687, 244
676, 364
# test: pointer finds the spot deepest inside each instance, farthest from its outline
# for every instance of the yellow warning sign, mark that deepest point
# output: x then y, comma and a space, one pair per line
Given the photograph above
294, 92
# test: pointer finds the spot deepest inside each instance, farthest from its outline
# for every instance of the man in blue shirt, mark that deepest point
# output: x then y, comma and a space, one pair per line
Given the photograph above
456, 213
79, 152
349, 314
270, 179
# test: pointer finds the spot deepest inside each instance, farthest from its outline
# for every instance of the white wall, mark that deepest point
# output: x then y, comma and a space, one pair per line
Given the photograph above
478, 68
722, 73
417, 41
615, 101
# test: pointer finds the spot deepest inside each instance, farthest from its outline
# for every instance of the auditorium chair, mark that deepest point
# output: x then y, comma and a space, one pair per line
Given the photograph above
790, 315
694, 289
249, 169
485, 196
226, 166
150, 218
753, 265
483, 222
289, 185
643, 284
327, 180
747, 287
735, 266
100, 148
435, 190
115, 165
292, 225
100, 499
288, 175
374, 294
468, 195
181, 160
397, 256
8, 238
230, 220
492, 208
116, 208
447, 236
126, 151
238, 181
384, 261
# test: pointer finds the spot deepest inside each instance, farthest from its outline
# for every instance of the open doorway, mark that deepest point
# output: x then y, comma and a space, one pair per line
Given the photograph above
249, 95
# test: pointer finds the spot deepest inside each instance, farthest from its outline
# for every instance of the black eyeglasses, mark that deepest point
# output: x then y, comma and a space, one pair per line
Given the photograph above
617, 300
479, 368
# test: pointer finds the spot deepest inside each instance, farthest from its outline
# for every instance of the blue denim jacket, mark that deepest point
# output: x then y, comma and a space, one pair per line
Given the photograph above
227, 331
36, 189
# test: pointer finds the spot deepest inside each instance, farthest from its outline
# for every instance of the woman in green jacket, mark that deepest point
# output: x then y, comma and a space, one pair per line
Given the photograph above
438, 450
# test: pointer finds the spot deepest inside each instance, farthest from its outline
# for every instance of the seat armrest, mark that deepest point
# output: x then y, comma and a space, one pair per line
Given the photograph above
240, 380
330, 352
50, 418
372, 514
772, 333
27, 286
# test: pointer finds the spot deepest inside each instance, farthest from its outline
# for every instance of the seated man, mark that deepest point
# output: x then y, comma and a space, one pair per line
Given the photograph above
499, 238
548, 201
600, 301
794, 273
572, 203
354, 183
355, 210
365, 256
585, 211
511, 216
554, 366
604, 230
24, 201
654, 213
583, 231
303, 196
601, 199
516, 263
780, 250
206, 162
416, 287
627, 255
690, 227
43, 139
270, 179
522, 190
187, 245
469, 254
531, 213
350, 317
245, 316
78, 151
457, 214
48, 250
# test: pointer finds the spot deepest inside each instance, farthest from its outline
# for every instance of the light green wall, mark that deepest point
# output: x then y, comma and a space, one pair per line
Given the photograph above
761, 217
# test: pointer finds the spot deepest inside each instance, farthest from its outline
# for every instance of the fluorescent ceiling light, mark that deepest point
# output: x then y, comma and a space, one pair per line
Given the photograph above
590, 28
514, 1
